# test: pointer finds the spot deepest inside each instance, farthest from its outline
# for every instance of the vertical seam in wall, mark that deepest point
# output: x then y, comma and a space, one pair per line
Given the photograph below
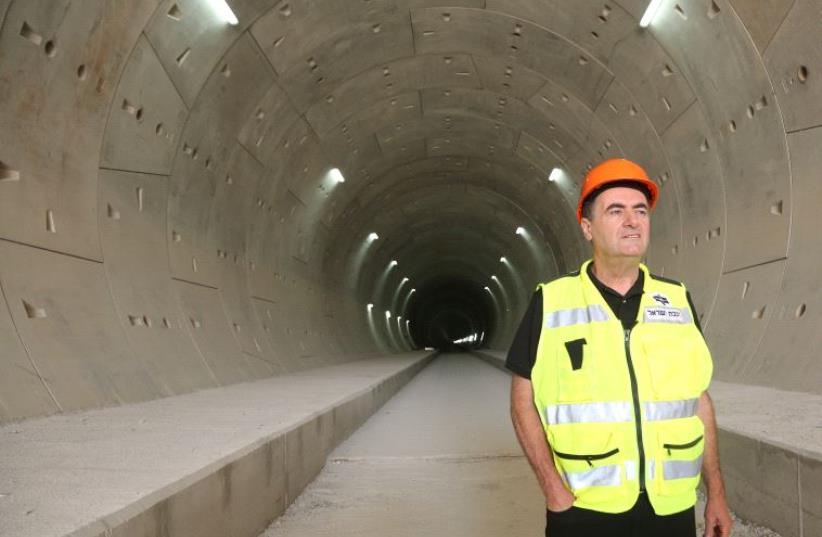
799, 493
3, 17
275, 82
262, 53
28, 353
286, 473
598, 103
176, 89
172, 163
413, 36
776, 31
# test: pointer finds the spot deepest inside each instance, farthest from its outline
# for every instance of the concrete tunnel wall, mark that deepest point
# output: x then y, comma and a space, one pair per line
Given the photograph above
168, 221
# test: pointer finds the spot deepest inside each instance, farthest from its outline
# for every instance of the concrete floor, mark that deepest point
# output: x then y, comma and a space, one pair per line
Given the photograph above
440, 458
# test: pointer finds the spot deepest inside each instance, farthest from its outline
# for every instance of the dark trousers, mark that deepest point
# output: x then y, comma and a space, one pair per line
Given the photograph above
639, 521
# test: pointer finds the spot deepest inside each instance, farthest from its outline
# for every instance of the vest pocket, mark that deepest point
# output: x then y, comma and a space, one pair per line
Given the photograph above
589, 461
587, 457
678, 462
573, 372
672, 366
686, 445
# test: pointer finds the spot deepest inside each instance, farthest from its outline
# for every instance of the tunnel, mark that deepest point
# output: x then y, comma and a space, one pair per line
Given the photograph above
288, 212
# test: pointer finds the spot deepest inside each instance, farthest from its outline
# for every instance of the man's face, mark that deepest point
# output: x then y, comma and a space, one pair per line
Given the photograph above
620, 225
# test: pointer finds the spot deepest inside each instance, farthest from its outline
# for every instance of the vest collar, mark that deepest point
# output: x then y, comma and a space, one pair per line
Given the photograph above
592, 295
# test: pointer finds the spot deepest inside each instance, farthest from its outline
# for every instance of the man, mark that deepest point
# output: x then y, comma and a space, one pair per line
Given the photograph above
608, 396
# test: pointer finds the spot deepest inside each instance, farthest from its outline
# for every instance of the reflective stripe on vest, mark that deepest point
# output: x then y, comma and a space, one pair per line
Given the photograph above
619, 411
590, 413
570, 317
669, 410
676, 469
630, 470
603, 476
681, 469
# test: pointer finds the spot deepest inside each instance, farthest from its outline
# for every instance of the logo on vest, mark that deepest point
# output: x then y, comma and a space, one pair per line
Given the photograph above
663, 314
661, 299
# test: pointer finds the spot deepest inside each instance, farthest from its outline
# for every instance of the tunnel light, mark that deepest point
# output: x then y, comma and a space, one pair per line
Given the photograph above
222, 10
393, 263
520, 231
336, 175
370, 307
412, 291
387, 314
555, 175
407, 323
404, 280
487, 289
503, 259
650, 13
494, 277
372, 237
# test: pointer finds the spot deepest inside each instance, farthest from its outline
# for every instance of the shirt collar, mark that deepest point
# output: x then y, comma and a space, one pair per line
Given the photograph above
635, 289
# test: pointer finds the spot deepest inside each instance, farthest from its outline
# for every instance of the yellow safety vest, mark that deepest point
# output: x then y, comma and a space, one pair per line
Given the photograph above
618, 403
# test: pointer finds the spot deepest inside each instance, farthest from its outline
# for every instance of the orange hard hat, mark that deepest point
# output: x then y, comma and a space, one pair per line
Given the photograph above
612, 171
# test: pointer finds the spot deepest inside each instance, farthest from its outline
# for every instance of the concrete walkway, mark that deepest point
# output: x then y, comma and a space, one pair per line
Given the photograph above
439, 459
212, 463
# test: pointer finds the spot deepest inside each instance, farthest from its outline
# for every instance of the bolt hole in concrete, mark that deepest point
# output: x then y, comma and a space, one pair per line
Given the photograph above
50, 48
26, 32
803, 74
7, 173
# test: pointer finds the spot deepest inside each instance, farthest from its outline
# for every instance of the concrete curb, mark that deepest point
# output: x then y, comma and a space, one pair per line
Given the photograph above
242, 493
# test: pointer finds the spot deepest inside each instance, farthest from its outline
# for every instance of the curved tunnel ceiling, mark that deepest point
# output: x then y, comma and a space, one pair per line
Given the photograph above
169, 219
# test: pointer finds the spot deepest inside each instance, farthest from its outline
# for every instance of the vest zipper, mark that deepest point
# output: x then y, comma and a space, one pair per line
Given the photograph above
638, 418
690, 444
586, 458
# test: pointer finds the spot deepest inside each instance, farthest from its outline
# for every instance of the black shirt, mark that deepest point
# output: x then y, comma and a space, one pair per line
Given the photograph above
523, 351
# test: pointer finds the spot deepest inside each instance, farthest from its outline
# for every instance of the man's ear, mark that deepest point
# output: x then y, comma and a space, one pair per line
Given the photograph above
585, 224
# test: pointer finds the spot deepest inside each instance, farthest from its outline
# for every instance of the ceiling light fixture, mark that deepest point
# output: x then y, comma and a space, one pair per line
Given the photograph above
650, 13
336, 175
222, 10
